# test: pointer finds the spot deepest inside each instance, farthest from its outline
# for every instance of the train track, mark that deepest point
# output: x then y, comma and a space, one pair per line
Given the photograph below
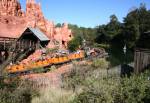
45, 69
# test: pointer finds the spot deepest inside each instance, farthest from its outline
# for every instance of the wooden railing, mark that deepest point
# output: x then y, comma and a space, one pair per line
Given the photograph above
7, 43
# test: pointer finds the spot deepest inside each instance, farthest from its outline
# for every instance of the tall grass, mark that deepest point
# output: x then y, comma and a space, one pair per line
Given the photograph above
85, 84
72, 85
16, 91
53, 95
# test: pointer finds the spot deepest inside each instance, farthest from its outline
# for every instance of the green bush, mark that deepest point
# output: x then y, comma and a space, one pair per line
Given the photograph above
105, 46
135, 89
98, 91
16, 91
100, 63
74, 44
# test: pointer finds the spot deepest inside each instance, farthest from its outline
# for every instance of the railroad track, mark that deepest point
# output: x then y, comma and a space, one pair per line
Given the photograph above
46, 68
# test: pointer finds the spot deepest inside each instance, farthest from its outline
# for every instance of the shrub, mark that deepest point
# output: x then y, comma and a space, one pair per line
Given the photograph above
98, 91
16, 91
51, 50
81, 75
76, 77
105, 46
100, 63
135, 89
74, 44
53, 68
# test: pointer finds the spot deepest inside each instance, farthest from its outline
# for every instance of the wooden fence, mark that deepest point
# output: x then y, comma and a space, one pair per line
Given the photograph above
141, 59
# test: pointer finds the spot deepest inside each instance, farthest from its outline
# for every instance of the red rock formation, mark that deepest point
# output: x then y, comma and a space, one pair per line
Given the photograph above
13, 21
10, 7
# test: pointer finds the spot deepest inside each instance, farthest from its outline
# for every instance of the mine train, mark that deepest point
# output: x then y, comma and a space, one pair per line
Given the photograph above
45, 63
16, 68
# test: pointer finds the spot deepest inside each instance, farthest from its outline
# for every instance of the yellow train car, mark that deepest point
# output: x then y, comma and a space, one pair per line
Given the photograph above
46, 62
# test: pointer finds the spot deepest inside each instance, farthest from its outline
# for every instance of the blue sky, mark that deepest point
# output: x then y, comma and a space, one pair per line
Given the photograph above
87, 13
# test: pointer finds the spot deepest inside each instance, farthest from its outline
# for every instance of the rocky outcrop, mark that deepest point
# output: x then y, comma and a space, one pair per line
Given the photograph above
10, 8
13, 21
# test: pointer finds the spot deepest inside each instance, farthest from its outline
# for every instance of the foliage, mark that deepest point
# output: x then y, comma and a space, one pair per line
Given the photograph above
130, 33
75, 77
52, 68
91, 87
88, 82
144, 41
89, 34
114, 35
16, 91
99, 91
74, 44
107, 32
82, 74
51, 50
131, 29
51, 95
135, 89
16, 57
39, 70
58, 25
117, 56
135, 24
100, 63
105, 46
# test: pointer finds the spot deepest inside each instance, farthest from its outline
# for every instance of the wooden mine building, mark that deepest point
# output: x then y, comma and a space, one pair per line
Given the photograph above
30, 39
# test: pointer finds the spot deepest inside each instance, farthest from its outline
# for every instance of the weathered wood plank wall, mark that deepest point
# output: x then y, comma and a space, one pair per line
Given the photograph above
141, 59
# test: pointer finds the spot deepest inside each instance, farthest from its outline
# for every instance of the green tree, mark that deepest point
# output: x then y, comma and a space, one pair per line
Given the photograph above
107, 32
113, 27
74, 44
136, 23
89, 34
58, 25
131, 28
144, 18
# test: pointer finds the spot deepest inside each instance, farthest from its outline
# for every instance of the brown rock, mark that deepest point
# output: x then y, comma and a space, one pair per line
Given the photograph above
13, 21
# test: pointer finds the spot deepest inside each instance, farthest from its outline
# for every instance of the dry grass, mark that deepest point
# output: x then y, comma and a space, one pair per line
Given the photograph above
101, 63
53, 95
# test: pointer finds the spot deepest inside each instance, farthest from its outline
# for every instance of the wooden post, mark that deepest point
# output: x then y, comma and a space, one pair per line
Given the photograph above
38, 45
4, 44
22, 44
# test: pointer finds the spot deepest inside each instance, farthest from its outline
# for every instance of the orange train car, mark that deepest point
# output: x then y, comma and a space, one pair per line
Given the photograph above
44, 63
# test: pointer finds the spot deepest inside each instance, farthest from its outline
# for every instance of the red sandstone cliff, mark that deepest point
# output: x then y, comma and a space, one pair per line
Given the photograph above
13, 21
